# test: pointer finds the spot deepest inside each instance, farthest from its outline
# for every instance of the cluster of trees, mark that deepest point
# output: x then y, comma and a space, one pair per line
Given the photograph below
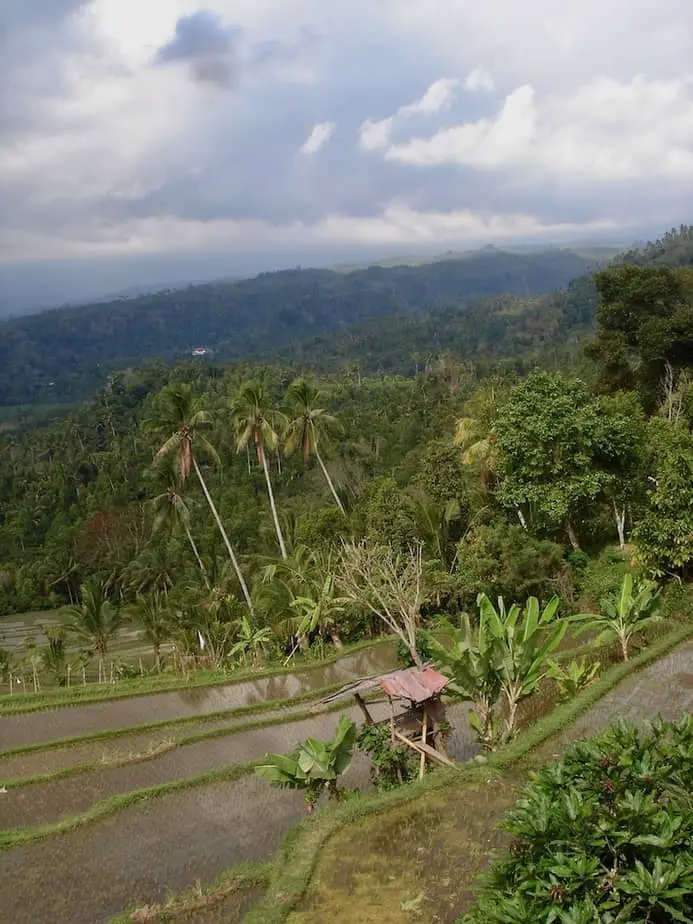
66, 354
262, 511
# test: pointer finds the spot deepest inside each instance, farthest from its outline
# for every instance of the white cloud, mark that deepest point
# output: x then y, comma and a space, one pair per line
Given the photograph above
375, 135
396, 224
608, 130
479, 79
318, 138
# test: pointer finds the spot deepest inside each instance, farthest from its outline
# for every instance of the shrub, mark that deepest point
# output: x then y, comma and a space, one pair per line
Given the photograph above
606, 835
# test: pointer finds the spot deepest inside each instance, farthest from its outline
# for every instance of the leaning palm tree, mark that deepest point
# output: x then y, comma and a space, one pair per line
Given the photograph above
309, 428
95, 620
179, 424
256, 422
170, 509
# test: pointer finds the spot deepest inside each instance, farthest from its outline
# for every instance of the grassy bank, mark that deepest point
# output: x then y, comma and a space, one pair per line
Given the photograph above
78, 695
236, 885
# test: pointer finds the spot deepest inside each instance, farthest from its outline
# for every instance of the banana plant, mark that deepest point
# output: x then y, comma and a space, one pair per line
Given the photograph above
628, 613
575, 677
524, 637
471, 661
315, 766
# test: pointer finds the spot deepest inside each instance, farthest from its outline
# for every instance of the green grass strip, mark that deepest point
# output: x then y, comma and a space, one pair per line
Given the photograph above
245, 876
297, 858
233, 713
79, 695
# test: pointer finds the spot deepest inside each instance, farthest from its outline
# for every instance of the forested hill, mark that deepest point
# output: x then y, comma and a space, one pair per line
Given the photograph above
65, 354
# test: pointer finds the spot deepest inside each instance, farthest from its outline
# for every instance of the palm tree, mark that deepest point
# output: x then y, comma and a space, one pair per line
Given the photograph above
95, 619
153, 618
309, 428
179, 424
170, 507
255, 422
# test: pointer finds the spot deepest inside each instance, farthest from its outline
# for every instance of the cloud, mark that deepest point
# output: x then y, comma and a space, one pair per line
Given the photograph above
479, 79
476, 120
318, 138
375, 135
607, 131
207, 44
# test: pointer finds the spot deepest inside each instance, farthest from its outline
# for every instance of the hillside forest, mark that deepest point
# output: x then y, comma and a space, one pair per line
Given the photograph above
243, 503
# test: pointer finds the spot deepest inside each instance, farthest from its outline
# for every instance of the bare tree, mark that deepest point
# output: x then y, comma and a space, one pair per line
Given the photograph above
387, 583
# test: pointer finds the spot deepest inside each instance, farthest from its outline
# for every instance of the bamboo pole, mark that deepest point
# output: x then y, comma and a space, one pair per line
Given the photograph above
425, 749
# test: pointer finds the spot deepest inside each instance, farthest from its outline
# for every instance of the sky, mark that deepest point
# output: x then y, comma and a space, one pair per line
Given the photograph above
157, 140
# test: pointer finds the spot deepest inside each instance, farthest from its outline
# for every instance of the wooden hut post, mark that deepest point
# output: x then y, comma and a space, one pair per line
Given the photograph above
424, 735
362, 706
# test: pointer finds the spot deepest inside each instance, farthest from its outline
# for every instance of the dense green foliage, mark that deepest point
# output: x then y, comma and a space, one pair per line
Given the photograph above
67, 353
241, 513
606, 835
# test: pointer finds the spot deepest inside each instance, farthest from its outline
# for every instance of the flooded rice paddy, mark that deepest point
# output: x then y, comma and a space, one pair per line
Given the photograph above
151, 849
72, 721
42, 803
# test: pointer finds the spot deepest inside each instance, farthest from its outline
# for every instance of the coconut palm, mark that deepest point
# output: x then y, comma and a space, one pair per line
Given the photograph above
95, 619
180, 423
256, 422
309, 427
153, 618
170, 509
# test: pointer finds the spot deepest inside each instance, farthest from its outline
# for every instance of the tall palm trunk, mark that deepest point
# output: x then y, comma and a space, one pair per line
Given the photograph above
263, 460
329, 482
197, 556
229, 548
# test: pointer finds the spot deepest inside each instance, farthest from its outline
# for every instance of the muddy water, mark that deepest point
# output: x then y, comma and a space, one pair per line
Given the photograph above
144, 853
125, 747
50, 801
664, 688
65, 722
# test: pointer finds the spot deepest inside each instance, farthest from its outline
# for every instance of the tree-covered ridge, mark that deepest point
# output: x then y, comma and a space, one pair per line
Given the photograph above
75, 348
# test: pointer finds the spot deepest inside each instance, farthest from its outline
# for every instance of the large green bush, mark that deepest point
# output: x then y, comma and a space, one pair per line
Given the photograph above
606, 836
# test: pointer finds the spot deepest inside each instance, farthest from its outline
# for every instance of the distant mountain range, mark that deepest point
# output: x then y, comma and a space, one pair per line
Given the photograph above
63, 354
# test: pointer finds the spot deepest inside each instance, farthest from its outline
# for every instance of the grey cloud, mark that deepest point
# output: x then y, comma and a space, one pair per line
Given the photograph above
208, 45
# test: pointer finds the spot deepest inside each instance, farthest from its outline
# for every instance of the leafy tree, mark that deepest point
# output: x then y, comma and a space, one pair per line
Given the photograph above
315, 766
180, 422
256, 422
663, 537
624, 615
549, 434
309, 428
645, 319
604, 835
